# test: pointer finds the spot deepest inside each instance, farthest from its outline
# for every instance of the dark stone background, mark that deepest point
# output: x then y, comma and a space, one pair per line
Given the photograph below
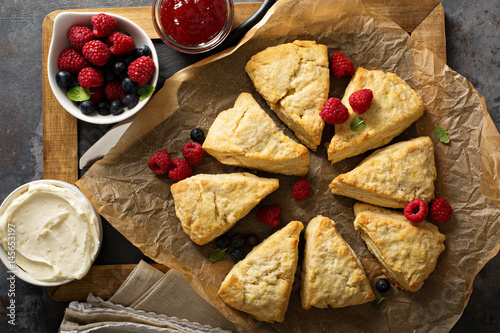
473, 47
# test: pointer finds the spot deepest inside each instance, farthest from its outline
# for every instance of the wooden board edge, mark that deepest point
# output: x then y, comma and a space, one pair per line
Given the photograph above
431, 32
108, 277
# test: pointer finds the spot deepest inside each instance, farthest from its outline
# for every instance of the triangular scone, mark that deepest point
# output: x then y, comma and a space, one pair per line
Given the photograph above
407, 251
392, 176
246, 136
209, 205
261, 283
332, 274
395, 106
294, 79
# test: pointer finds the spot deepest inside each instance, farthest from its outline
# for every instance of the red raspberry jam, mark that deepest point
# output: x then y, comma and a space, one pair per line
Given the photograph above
193, 22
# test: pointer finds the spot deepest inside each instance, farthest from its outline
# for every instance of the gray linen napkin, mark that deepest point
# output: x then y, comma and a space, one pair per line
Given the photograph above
147, 301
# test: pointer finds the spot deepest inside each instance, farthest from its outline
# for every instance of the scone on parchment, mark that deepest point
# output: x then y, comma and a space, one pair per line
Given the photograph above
408, 252
394, 108
246, 136
392, 176
294, 79
209, 205
332, 274
261, 283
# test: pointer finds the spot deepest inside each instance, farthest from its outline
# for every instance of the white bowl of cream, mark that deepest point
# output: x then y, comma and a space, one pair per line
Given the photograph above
50, 233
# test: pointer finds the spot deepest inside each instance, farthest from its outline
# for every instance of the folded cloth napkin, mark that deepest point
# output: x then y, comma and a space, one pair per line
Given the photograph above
147, 301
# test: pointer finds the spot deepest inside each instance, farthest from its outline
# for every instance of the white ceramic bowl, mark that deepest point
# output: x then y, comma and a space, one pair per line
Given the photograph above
19, 272
62, 23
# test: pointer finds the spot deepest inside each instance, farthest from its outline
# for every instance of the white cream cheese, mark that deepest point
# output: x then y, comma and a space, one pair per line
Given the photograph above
56, 232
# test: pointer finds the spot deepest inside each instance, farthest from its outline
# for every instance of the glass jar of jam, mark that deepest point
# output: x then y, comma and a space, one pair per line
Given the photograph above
193, 26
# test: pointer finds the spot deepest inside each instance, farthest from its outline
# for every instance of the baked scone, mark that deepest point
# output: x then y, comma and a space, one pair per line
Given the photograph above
294, 79
408, 252
394, 108
332, 274
392, 176
209, 205
261, 283
246, 136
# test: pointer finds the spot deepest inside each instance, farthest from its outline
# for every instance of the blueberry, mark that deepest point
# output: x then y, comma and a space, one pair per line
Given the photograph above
130, 100
142, 50
116, 108
382, 285
86, 107
222, 241
237, 241
128, 84
63, 79
103, 108
197, 135
119, 68
236, 255
109, 75
72, 84
252, 240
128, 61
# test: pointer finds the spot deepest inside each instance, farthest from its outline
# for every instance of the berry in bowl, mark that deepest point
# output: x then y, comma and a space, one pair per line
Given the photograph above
102, 68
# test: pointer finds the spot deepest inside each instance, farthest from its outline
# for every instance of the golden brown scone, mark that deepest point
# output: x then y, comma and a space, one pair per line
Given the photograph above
332, 274
294, 79
261, 283
408, 252
394, 108
392, 176
246, 136
209, 205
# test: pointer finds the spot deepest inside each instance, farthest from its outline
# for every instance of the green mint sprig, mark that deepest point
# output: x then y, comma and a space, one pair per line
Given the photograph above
441, 134
78, 94
217, 254
145, 92
357, 124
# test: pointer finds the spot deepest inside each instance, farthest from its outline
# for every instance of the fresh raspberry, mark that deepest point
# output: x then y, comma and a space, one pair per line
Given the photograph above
103, 24
334, 112
192, 152
72, 61
114, 91
440, 210
97, 94
141, 70
341, 65
120, 43
361, 100
416, 211
181, 171
90, 77
301, 189
78, 35
270, 215
96, 52
160, 162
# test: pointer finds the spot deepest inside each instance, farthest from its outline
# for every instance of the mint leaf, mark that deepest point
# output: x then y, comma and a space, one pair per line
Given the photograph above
378, 303
145, 92
441, 134
217, 254
78, 94
357, 124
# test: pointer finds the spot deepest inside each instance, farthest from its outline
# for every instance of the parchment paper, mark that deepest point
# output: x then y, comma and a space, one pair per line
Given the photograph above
140, 206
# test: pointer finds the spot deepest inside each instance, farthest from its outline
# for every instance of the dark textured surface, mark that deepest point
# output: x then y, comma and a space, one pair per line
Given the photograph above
473, 47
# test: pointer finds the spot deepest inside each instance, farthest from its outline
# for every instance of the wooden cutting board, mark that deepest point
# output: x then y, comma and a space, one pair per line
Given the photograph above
423, 19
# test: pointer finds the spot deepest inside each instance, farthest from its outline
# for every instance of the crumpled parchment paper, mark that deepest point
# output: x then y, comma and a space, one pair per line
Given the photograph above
139, 204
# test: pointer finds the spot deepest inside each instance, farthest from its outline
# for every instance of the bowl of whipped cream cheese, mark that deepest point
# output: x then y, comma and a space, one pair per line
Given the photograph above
49, 232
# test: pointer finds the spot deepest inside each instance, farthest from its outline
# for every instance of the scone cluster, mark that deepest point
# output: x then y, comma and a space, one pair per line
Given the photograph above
294, 80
